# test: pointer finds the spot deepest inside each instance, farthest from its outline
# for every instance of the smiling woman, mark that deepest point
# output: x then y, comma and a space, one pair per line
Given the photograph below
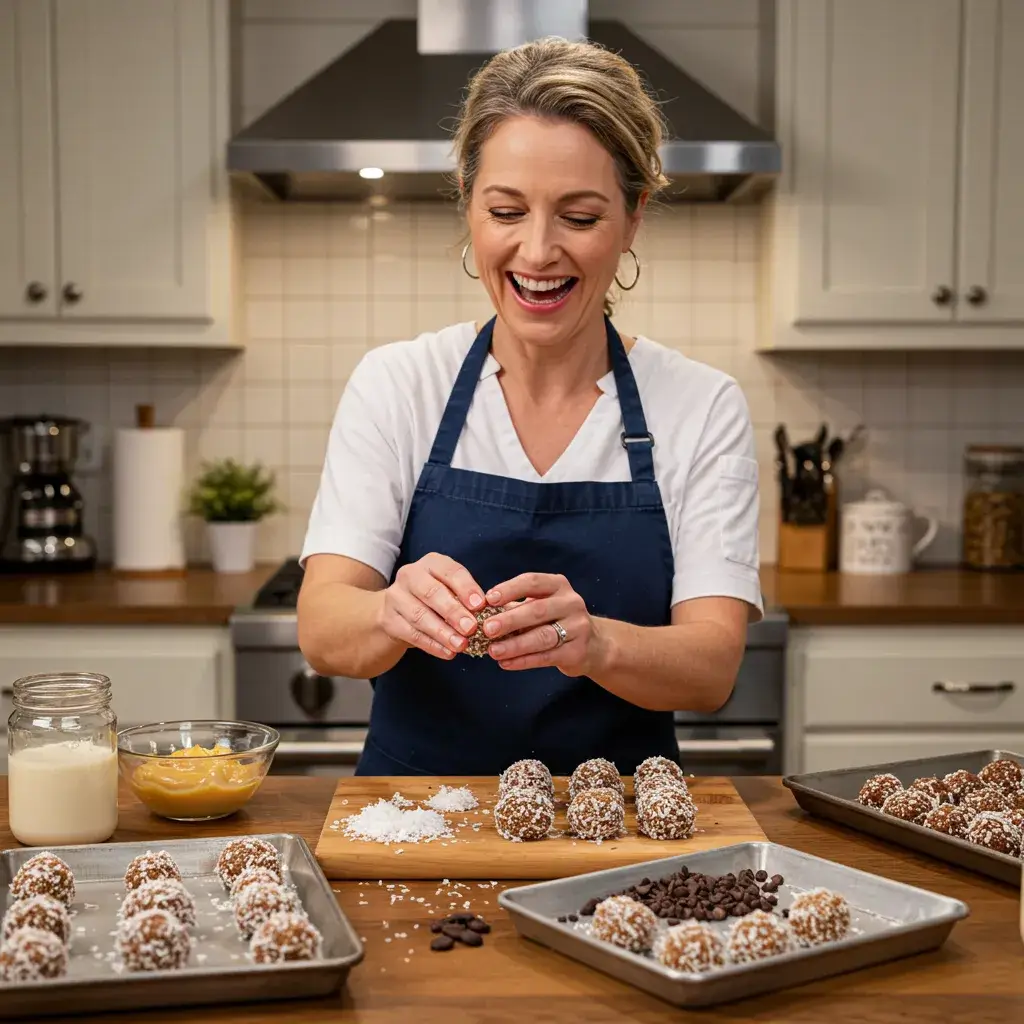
588, 501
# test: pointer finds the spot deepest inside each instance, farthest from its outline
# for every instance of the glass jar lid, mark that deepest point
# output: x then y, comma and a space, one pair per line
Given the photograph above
1006, 457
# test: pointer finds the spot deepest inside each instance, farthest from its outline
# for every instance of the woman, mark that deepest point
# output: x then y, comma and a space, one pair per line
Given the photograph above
602, 489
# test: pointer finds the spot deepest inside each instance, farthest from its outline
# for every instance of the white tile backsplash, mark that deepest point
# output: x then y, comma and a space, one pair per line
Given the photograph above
323, 284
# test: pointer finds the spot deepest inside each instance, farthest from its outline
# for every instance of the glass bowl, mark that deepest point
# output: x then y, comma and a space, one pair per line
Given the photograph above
196, 771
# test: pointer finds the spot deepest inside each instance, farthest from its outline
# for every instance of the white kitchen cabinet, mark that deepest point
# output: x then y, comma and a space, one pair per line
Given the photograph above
113, 122
156, 672
902, 146
864, 695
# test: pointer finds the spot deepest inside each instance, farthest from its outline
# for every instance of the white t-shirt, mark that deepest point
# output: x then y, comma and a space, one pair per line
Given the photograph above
703, 456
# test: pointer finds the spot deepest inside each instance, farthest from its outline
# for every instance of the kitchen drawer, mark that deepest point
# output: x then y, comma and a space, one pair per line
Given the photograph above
927, 678
828, 751
156, 673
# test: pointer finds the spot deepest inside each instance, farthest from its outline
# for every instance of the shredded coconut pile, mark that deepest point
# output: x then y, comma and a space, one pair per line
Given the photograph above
450, 798
388, 822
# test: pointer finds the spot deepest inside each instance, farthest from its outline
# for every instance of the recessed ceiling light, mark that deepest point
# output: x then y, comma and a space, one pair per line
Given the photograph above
370, 172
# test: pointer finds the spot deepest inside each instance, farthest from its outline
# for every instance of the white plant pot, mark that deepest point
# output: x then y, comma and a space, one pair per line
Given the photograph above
232, 546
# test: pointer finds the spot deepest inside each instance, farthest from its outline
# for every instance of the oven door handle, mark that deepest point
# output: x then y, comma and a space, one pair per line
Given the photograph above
752, 747
319, 752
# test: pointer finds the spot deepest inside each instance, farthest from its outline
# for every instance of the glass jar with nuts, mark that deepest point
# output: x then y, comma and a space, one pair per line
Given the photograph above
993, 526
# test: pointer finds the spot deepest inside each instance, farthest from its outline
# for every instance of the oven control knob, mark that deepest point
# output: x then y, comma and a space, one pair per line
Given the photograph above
312, 691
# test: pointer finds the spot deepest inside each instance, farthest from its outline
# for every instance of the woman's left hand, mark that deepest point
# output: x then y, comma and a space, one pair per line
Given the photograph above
549, 599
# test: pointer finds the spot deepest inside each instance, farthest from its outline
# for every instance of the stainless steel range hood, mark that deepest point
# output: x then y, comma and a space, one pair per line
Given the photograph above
388, 105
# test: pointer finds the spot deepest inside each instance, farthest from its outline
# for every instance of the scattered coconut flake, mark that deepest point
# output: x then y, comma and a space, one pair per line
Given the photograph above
452, 798
388, 821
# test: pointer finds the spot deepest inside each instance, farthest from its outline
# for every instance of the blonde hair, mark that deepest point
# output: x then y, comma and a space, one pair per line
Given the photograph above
579, 82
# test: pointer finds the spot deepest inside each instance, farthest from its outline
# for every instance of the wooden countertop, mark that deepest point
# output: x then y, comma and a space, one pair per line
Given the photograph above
199, 598
978, 975
204, 598
928, 597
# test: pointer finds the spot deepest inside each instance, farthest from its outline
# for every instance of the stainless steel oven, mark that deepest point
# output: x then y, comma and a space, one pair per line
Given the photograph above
323, 720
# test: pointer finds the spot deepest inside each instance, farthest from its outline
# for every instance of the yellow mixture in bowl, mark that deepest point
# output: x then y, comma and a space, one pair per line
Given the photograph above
196, 782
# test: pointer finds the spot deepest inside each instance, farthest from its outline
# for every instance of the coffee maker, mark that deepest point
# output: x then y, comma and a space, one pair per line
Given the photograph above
41, 521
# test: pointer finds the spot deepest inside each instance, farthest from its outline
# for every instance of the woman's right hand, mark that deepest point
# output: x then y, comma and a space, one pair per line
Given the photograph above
432, 605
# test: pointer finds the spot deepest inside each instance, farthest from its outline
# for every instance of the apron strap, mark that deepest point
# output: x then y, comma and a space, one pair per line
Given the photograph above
636, 438
459, 401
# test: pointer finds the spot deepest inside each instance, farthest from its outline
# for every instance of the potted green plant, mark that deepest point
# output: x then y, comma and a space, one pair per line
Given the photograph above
232, 499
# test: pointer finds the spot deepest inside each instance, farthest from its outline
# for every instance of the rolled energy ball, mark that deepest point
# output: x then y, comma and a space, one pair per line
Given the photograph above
1004, 774
40, 911
596, 814
31, 954
597, 773
44, 875
655, 768
1017, 800
878, 789
819, 916
665, 812
479, 642
257, 903
960, 783
148, 867
676, 786
690, 946
1015, 817
161, 894
988, 798
995, 833
526, 774
948, 819
909, 805
624, 922
152, 940
251, 875
240, 854
285, 936
524, 814
758, 936
933, 786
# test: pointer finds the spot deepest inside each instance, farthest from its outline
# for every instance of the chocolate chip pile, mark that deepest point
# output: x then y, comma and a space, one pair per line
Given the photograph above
464, 927
685, 895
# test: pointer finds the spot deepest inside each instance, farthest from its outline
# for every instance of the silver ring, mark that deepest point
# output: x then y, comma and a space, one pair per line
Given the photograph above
562, 635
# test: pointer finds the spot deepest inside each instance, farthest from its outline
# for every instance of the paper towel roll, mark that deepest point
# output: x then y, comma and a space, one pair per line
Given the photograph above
149, 475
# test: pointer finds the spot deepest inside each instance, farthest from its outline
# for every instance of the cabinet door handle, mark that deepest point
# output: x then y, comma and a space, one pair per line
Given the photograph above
976, 295
72, 293
942, 296
35, 292
948, 687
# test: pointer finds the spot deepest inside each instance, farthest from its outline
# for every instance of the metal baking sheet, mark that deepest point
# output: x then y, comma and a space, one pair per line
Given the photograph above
889, 920
833, 795
219, 970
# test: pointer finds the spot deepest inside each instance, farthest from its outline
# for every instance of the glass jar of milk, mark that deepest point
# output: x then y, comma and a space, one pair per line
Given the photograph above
62, 760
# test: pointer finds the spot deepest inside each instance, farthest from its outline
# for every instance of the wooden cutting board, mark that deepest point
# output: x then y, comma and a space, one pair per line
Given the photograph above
480, 853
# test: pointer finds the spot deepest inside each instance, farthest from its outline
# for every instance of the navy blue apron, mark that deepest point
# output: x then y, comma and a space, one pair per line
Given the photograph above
468, 716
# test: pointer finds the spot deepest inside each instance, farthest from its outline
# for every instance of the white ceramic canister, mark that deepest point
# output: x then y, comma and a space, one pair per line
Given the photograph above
877, 536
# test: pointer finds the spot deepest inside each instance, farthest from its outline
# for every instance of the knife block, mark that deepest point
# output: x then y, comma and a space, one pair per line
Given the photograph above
803, 548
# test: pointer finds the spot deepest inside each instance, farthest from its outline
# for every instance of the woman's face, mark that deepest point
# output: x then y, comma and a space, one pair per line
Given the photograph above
549, 224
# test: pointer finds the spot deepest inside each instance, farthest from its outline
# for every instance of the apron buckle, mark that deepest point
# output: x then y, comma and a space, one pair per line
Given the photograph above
628, 439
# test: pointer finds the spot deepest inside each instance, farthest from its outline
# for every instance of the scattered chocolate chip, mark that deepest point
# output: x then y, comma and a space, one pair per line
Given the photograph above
740, 909
760, 876
435, 927
785, 913
778, 880
462, 917
772, 900
573, 918
442, 944
480, 926
770, 887
454, 931
672, 921
469, 938
588, 908
562, 919
718, 914
765, 906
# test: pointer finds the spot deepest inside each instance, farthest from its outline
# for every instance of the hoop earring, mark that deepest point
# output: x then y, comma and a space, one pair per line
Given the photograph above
630, 287
465, 253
